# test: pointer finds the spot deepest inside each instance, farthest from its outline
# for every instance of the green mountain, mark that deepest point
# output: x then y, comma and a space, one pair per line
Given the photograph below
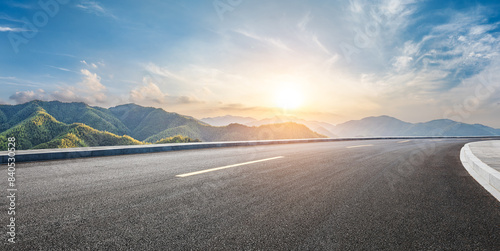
96, 117
153, 124
40, 124
39, 127
80, 135
144, 122
41, 130
177, 139
235, 132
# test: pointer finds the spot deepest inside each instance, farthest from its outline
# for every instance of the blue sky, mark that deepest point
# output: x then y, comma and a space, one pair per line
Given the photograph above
415, 60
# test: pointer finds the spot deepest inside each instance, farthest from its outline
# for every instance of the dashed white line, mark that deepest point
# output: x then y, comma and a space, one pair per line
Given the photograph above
225, 167
358, 146
404, 141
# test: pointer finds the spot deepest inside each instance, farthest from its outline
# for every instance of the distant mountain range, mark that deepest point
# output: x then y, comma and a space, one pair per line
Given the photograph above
389, 126
319, 127
40, 124
377, 126
227, 120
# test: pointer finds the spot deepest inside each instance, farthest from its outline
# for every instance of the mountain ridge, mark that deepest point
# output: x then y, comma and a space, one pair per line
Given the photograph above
317, 126
385, 125
389, 126
54, 124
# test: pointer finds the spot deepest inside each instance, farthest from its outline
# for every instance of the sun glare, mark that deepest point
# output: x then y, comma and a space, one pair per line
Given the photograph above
288, 98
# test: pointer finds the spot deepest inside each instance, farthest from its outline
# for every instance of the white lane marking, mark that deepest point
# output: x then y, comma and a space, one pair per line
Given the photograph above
225, 167
404, 141
358, 146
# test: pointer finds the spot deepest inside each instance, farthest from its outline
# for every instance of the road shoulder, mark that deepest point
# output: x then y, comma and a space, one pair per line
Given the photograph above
473, 157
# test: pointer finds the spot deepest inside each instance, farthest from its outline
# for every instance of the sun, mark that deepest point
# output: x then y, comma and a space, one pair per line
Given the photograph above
288, 98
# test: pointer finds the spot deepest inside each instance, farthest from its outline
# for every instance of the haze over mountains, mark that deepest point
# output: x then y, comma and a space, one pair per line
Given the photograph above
40, 124
319, 127
378, 126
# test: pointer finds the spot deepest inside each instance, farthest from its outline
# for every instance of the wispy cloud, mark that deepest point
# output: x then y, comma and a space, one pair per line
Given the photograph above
60, 68
275, 42
304, 21
16, 4
9, 18
19, 82
9, 29
95, 8
164, 72
55, 54
460, 48
92, 65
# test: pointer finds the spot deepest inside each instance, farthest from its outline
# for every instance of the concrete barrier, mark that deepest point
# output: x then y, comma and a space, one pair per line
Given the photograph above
488, 177
69, 153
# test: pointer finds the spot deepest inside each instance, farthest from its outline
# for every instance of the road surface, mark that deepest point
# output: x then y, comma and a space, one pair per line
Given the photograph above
377, 194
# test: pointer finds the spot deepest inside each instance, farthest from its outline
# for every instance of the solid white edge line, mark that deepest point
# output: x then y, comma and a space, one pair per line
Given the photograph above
225, 167
484, 183
358, 146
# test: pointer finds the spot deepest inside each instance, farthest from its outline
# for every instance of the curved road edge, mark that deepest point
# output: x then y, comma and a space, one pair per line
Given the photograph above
486, 176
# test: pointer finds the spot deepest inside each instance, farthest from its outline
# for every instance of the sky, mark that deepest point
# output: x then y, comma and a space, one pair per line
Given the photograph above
322, 60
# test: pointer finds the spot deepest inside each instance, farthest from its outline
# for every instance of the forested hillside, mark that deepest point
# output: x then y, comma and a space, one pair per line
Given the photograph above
40, 124
144, 122
41, 130
235, 132
96, 117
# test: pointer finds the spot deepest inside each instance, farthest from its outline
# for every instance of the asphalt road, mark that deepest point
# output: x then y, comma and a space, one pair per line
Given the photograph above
356, 195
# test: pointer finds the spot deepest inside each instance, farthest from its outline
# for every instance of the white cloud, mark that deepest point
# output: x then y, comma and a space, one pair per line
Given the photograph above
455, 50
21, 5
304, 21
60, 68
432, 73
91, 65
320, 45
150, 94
3, 16
265, 40
149, 91
162, 71
26, 96
91, 82
95, 8
90, 90
9, 29
402, 62
481, 29
19, 82
355, 6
